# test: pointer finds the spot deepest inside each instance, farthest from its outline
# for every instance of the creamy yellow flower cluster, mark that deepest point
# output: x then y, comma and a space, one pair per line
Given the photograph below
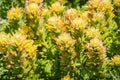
14, 13
33, 8
18, 52
74, 20
55, 8
65, 41
96, 18
70, 22
115, 60
96, 47
67, 77
98, 9
100, 6
27, 31
93, 33
18, 43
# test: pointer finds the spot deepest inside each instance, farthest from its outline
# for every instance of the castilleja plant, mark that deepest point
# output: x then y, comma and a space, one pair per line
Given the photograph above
59, 42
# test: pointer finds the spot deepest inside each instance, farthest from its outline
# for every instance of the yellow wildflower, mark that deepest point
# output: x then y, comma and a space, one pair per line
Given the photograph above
116, 60
65, 37
96, 51
79, 23
55, 24
28, 47
55, 20
46, 12
100, 5
67, 77
84, 15
71, 14
17, 39
56, 7
9, 41
98, 16
5, 42
66, 40
36, 1
96, 5
96, 45
26, 31
16, 46
24, 45
33, 11
14, 13
107, 5
92, 32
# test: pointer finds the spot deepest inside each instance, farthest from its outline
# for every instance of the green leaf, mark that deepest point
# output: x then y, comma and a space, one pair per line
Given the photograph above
48, 67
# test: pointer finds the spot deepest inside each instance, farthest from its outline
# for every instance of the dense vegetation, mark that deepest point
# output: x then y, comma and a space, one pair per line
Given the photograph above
60, 39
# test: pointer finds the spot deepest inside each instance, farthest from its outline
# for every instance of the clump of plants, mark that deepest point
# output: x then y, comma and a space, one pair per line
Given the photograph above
56, 42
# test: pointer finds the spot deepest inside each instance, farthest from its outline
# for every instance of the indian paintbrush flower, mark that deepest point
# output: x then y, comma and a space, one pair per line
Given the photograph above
56, 7
92, 32
55, 24
32, 10
67, 77
79, 23
71, 14
65, 41
15, 13
116, 60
